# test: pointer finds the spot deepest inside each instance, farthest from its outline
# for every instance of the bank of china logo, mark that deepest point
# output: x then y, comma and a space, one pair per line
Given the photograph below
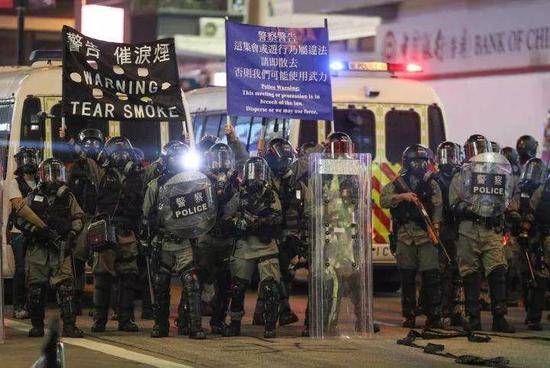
180, 202
198, 197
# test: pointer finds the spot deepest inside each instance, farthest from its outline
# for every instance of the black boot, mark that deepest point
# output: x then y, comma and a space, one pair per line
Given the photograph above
36, 303
408, 297
270, 289
193, 291
161, 308
431, 283
183, 315
65, 294
236, 308
472, 284
220, 303
126, 321
497, 288
535, 297
102, 297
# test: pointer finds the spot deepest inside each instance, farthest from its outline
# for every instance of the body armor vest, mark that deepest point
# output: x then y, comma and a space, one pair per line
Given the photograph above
292, 203
407, 211
57, 214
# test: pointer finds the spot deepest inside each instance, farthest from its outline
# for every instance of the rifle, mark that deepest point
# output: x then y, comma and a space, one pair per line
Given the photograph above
430, 228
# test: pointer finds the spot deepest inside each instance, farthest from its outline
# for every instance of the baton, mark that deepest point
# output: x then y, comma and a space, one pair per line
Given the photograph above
149, 280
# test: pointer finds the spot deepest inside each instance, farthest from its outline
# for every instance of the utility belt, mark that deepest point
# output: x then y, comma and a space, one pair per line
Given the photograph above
164, 235
491, 223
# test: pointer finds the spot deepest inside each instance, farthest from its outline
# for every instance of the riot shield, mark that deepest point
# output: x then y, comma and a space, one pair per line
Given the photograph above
340, 257
487, 184
186, 205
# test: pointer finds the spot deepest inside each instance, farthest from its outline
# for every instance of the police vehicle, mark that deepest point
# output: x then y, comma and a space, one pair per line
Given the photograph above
30, 116
374, 102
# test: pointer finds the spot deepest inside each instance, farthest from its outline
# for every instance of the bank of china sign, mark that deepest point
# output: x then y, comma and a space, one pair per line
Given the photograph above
514, 39
116, 81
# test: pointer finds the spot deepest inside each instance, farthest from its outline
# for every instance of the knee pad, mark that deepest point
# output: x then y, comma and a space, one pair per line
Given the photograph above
270, 289
36, 294
65, 292
431, 278
238, 286
498, 274
190, 280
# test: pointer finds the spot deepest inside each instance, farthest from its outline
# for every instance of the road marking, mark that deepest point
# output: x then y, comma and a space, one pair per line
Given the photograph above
107, 349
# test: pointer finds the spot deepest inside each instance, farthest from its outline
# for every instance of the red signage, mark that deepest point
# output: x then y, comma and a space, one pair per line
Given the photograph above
6, 4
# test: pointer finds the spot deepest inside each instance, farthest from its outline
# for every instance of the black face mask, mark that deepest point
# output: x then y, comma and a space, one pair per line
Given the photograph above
447, 169
254, 186
29, 169
50, 188
418, 168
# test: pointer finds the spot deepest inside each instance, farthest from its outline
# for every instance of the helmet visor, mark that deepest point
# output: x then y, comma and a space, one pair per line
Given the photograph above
448, 156
220, 160
52, 172
475, 148
535, 172
256, 171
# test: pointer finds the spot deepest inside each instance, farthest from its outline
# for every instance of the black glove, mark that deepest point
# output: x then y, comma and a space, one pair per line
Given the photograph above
71, 239
46, 234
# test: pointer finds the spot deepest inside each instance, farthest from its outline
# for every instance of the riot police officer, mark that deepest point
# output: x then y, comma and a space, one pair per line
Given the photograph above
448, 164
526, 146
49, 248
280, 156
119, 199
512, 156
214, 248
84, 177
479, 245
171, 250
530, 238
25, 181
253, 214
414, 250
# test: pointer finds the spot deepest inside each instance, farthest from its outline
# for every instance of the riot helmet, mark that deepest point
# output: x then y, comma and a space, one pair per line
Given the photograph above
475, 145
173, 161
534, 173
495, 147
173, 143
206, 142
51, 174
279, 156
118, 152
220, 158
526, 147
512, 156
256, 173
27, 161
448, 153
415, 160
339, 143
90, 142
305, 148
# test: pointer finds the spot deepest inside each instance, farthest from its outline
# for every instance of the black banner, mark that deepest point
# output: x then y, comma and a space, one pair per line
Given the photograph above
117, 81
490, 184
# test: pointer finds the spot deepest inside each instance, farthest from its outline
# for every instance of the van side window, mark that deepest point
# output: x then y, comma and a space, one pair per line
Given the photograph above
436, 128
32, 134
242, 129
212, 126
254, 137
6, 114
198, 122
360, 125
402, 130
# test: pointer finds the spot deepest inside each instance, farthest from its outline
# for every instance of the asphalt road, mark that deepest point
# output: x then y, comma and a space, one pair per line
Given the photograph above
115, 349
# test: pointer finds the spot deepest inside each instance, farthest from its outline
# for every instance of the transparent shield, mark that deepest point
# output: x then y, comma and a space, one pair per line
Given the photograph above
487, 184
2, 335
340, 257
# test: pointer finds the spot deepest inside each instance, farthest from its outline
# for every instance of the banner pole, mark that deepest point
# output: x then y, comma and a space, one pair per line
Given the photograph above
326, 23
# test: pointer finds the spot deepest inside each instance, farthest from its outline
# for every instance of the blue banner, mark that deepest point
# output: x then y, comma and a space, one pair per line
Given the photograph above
277, 72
